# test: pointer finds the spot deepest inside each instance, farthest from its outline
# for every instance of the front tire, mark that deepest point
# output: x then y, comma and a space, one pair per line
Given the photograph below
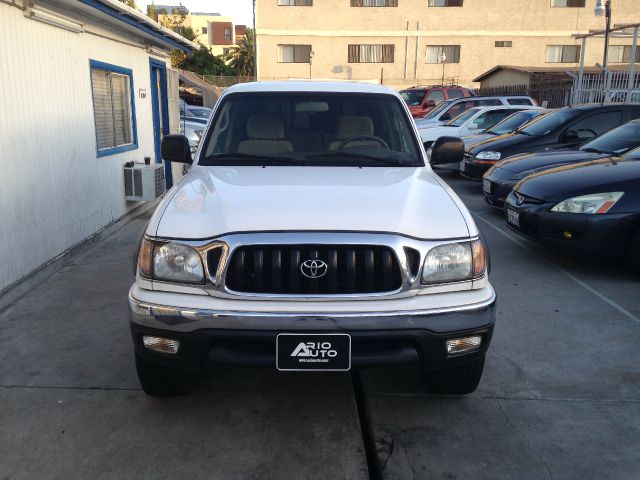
161, 381
457, 380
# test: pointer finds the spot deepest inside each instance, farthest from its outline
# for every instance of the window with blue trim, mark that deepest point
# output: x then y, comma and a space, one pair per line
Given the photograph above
113, 108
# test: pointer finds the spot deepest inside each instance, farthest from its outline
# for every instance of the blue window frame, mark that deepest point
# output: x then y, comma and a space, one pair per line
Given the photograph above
114, 109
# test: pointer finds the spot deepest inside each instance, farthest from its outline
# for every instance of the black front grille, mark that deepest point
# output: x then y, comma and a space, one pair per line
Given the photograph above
349, 269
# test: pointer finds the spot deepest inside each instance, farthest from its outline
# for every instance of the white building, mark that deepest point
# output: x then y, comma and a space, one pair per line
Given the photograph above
85, 86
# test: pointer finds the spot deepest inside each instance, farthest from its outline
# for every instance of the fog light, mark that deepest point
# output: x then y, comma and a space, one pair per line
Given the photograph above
463, 345
162, 345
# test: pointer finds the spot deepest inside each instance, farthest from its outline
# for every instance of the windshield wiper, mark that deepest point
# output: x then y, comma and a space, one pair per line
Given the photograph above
382, 161
596, 150
259, 159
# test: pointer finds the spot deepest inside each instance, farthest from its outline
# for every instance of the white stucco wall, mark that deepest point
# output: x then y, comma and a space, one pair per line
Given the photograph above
54, 191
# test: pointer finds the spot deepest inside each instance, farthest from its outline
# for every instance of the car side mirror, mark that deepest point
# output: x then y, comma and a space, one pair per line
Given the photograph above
429, 103
447, 150
473, 126
175, 148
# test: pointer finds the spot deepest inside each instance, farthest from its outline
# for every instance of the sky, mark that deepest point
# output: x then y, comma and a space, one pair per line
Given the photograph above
240, 10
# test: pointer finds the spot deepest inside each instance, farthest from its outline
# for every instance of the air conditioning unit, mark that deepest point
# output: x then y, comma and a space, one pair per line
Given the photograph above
143, 183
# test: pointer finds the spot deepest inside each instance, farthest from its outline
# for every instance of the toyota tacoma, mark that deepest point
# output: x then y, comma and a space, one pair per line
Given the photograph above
310, 234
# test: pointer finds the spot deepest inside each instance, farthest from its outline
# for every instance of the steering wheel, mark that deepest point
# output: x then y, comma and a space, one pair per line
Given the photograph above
348, 140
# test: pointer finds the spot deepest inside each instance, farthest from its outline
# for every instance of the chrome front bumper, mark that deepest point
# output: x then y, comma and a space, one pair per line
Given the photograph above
437, 319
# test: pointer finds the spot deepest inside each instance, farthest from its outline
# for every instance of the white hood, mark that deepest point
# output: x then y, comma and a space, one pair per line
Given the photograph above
212, 201
432, 133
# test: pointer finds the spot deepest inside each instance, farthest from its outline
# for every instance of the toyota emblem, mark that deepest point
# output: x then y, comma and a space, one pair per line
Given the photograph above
314, 268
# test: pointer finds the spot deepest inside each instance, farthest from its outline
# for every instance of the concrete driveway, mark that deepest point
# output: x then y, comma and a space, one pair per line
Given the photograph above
560, 397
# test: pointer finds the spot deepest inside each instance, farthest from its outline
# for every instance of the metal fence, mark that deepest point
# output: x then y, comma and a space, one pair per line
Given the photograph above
607, 87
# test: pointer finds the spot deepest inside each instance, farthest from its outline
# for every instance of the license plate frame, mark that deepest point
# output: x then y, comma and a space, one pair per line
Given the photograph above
513, 218
311, 352
486, 186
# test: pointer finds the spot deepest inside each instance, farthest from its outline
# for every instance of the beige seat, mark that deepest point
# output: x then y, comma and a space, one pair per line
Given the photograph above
265, 134
351, 126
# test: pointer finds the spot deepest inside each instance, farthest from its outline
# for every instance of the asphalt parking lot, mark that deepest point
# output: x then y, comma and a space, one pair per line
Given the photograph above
560, 397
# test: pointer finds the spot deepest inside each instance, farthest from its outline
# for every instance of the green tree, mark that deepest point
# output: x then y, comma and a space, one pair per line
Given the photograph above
130, 3
203, 62
241, 57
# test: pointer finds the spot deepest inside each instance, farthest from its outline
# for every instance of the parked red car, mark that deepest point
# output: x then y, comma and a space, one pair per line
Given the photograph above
422, 99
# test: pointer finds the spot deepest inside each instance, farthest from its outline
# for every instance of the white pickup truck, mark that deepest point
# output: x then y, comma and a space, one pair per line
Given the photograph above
310, 234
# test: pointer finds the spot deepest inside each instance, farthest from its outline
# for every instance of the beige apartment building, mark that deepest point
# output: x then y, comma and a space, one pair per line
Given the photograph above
404, 42
212, 29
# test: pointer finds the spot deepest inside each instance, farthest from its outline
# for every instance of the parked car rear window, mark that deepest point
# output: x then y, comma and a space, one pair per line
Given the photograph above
413, 98
519, 101
546, 123
323, 129
455, 93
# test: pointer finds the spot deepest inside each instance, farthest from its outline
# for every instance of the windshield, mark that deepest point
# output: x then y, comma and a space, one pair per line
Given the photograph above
413, 98
512, 122
462, 118
546, 123
319, 129
633, 154
436, 111
198, 112
619, 140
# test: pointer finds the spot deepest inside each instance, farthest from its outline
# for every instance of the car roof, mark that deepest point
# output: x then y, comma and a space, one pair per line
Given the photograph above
597, 106
310, 86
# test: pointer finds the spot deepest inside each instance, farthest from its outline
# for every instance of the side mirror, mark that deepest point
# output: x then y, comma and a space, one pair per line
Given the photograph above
175, 148
447, 150
429, 103
473, 126
446, 116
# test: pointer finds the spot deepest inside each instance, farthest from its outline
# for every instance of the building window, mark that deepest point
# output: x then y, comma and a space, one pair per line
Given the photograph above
503, 43
445, 3
295, 3
371, 53
294, 53
204, 30
113, 108
622, 53
227, 34
434, 53
563, 53
567, 3
374, 3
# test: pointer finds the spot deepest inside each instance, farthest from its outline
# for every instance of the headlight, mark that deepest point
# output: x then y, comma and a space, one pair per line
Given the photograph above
454, 262
593, 203
488, 155
171, 262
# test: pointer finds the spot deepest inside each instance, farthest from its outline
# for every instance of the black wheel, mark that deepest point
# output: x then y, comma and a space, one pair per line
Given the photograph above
159, 380
456, 380
633, 254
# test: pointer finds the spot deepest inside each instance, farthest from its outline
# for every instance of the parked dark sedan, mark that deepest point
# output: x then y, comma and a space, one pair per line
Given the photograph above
564, 128
500, 179
590, 208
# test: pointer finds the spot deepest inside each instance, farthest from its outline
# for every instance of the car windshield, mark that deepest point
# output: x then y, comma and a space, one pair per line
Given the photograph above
618, 141
198, 112
511, 123
546, 123
633, 154
462, 118
413, 98
436, 111
316, 129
